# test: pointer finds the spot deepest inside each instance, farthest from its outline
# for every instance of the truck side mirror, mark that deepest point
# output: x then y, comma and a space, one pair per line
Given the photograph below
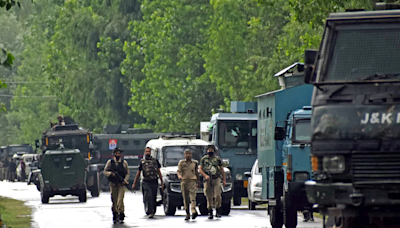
37, 143
280, 133
309, 59
210, 137
247, 174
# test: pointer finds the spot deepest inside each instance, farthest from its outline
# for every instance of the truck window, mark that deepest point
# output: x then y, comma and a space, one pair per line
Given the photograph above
241, 134
70, 142
350, 59
302, 130
15, 149
173, 154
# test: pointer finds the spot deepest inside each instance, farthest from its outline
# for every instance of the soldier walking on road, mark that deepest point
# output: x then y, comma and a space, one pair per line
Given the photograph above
151, 172
12, 168
120, 166
6, 163
211, 169
188, 173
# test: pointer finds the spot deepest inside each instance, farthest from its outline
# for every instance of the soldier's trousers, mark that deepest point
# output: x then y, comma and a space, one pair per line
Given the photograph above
213, 193
189, 188
117, 198
11, 176
150, 195
2, 174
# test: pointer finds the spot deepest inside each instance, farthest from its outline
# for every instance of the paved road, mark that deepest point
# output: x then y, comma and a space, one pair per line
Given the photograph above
96, 212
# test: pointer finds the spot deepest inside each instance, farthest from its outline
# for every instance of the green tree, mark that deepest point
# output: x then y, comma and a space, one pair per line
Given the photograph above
164, 59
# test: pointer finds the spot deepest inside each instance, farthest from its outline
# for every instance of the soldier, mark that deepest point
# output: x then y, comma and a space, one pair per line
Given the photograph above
1, 170
120, 166
151, 172
5, 170
12, 167
60, 120
211, 169
188, 173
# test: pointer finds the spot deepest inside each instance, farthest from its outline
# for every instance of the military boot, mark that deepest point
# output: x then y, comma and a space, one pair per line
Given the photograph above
115, 217
187, 215
218, 213
210, 214
121, 217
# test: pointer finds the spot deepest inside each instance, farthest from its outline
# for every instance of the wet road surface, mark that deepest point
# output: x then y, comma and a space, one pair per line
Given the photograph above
96, 212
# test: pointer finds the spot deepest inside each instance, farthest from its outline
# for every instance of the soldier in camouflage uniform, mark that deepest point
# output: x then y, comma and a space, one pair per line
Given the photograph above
211, 169
151, 172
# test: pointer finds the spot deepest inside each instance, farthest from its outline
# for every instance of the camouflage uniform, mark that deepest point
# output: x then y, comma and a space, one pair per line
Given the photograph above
212, 188
189, 183
149, 167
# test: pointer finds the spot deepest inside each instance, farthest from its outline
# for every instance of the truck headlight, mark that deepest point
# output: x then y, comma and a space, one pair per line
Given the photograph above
258, 184
301, 176
334, 163
239, 176
173, 177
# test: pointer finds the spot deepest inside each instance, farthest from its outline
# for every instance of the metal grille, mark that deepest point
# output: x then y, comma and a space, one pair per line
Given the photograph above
376, 167
364, 51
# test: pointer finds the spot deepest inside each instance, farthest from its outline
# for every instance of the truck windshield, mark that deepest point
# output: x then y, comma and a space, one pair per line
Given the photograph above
70, 142
302, 130
14, 149
350, 59
240, 133
173, 154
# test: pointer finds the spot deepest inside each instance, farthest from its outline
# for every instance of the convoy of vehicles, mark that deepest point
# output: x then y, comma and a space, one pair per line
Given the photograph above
355, 121
235, 136
169, 150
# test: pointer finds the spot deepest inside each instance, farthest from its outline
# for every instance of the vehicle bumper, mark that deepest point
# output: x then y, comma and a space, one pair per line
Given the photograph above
256, 195
344, 193
239, 189
65, 191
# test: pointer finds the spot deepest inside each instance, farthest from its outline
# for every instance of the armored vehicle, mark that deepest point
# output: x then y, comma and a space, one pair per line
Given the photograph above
235, 136
169, 150
63, 172
10, 150
355, 133
132, 141
72, 137
283, 150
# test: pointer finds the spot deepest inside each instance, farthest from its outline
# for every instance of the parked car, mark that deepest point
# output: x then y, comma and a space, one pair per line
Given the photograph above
28, 159
254, 187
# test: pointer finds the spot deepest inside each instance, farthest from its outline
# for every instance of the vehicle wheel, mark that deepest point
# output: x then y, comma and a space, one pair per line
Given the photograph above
95, 192
37, 187
225, 208
45, 197
289, 212
82, 197
237, 200
275, 217
169, 208
203, 209
252, 205
104, 183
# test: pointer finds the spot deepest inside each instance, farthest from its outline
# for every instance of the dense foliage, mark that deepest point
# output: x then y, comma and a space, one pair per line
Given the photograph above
161, 64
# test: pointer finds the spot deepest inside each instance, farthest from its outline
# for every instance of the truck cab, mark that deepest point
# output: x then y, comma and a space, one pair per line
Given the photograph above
169, 150
235, 136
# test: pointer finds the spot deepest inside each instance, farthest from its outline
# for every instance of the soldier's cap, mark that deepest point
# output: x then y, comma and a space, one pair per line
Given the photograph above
211, 146
117, 149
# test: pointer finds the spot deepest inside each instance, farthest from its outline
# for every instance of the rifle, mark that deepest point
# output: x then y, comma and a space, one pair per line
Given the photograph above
119, 179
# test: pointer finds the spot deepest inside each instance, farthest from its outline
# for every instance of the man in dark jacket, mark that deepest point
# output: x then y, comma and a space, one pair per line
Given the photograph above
12, 168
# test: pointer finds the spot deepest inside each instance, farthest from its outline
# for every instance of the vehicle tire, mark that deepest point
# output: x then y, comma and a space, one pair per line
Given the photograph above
104, 183
82, 197
275, 217
225, 208
45, 197
169, 208
95, 192
38, 187
237, 200
252, 205
289, 212
203, 208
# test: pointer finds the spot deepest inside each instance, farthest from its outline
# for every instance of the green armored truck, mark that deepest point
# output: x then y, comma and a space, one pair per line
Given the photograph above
63, 172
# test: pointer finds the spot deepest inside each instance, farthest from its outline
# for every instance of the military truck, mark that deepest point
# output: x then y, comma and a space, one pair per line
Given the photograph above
72, 137
235, 136
283, 146
131, 140
169, 149
10, 150
63, 172
355, 133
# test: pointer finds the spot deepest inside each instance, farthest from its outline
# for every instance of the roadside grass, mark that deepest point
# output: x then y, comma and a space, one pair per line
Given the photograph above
14, 213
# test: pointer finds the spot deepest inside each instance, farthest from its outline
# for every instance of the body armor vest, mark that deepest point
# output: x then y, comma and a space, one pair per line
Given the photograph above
120, 169
149, 167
